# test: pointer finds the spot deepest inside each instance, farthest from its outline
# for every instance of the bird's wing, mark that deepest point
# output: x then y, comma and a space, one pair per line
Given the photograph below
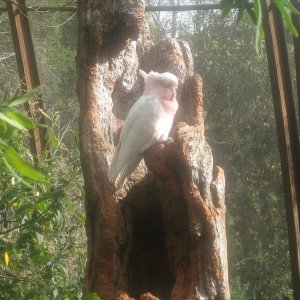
137, 135
130, 167
140, 124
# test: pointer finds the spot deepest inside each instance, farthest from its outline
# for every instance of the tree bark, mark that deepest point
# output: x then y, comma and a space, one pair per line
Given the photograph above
163, 235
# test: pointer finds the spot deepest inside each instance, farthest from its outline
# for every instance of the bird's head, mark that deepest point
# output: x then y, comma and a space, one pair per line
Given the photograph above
165, 83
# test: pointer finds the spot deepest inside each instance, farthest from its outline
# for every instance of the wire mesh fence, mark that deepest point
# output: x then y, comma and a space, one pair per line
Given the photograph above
239, 118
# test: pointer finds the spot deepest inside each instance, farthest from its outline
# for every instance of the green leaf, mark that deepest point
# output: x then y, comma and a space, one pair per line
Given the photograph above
6, 258
12, 171
80, 216
21, 118
69, 203
3, 127
25, 97
40, 238
55, 293
286, 17
65, 270
226, 7
241, 8
10, 132
21, 166
92, 296
259, 29
60, 220
41, 258
11, 122
251, 14
291, 7
54, 140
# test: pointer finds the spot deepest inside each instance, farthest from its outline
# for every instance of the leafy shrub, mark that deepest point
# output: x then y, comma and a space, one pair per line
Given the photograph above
41, 218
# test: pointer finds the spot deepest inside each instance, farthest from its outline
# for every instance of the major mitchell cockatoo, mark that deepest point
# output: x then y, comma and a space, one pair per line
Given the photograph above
149, 121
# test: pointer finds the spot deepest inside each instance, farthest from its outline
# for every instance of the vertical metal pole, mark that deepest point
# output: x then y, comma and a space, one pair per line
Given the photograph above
286, 124
28, 71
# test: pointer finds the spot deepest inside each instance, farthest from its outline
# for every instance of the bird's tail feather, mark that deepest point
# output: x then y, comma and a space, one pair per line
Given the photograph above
130, 167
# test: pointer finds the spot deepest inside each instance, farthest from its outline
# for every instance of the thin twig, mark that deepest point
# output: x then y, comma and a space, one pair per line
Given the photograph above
6, 56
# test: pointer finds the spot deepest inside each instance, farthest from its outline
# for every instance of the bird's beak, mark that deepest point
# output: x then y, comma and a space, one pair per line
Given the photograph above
143, 73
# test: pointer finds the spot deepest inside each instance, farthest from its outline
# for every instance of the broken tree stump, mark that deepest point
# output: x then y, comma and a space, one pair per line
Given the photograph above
163, 235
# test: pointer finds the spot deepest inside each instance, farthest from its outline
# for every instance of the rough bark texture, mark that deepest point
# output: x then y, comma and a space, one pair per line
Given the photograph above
163, 235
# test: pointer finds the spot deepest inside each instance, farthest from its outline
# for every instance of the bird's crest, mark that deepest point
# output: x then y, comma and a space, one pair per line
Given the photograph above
169, 76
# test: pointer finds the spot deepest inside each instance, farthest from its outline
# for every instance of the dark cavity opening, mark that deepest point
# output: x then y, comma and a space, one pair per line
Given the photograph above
149, 269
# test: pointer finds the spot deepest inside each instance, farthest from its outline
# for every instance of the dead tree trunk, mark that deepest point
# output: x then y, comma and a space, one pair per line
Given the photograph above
163, 235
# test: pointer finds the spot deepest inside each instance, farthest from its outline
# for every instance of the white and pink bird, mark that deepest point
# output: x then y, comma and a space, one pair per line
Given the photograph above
149, 121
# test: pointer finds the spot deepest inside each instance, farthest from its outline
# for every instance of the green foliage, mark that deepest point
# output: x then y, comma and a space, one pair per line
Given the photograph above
285, 7
42, 238
92, 296
12, 120
240, 128
40, 216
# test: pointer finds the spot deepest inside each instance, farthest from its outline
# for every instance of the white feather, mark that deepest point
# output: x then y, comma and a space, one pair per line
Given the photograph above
148, 121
